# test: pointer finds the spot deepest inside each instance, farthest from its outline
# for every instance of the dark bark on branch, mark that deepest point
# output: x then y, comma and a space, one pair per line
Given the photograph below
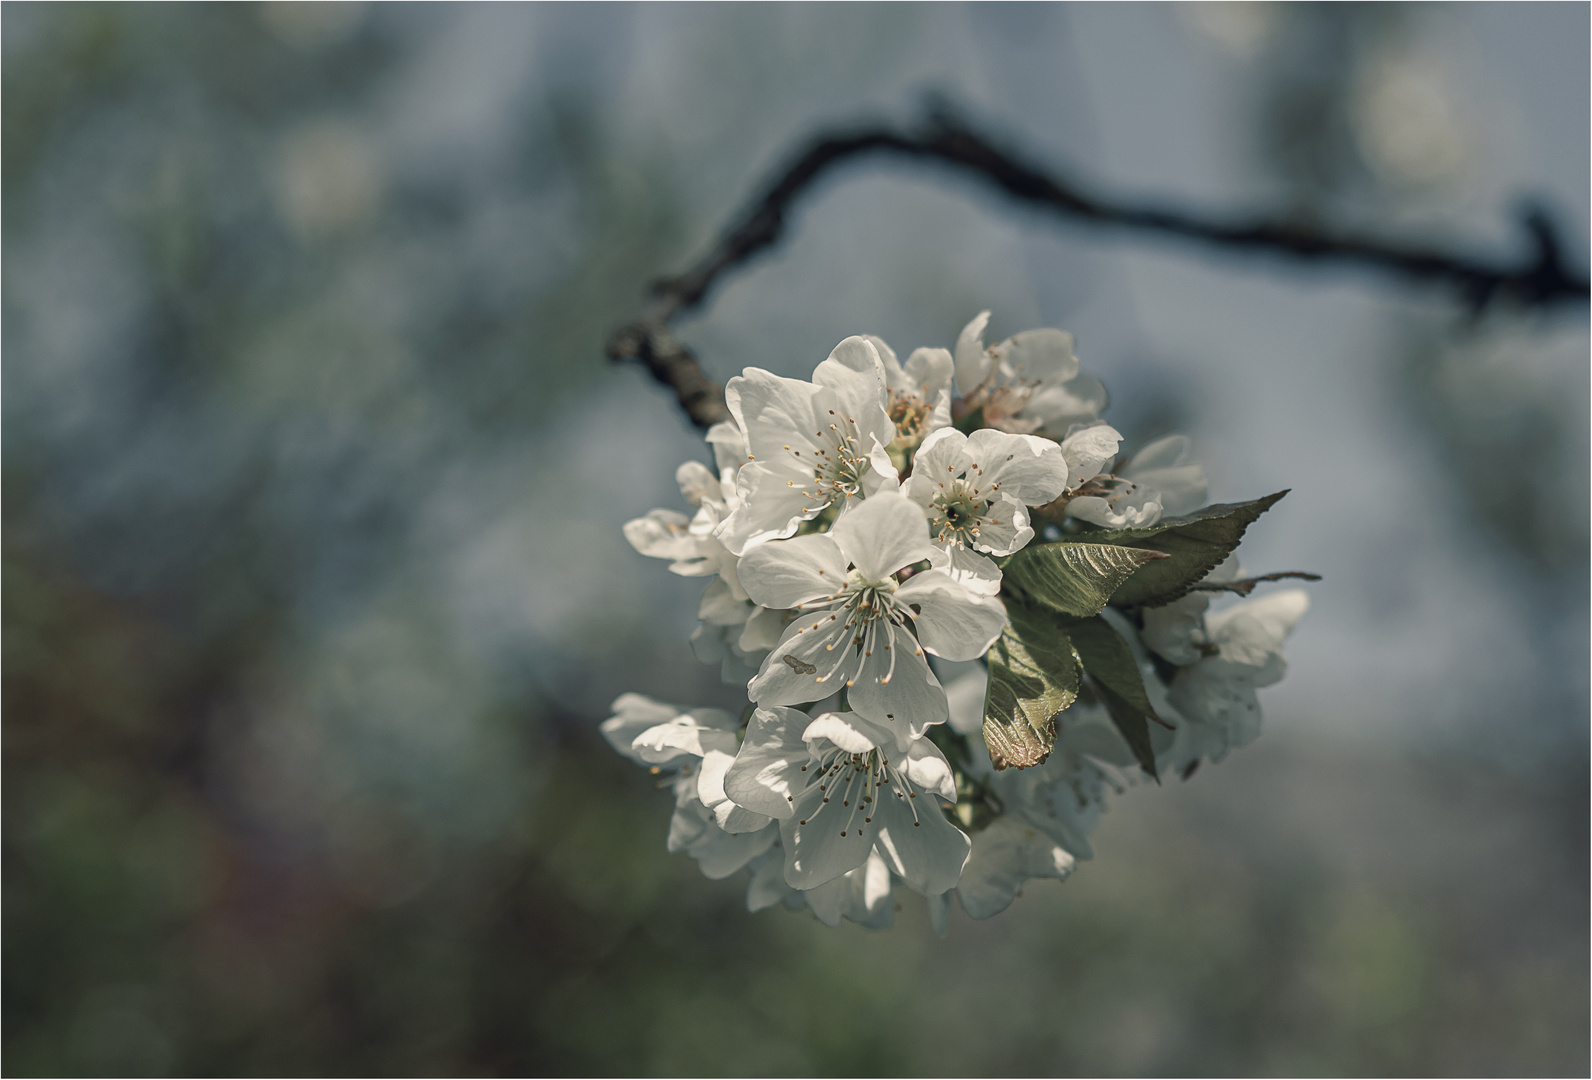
1539, 280
1245, 586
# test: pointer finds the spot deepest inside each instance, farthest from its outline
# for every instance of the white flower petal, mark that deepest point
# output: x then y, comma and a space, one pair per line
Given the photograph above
1176, 630
763, 628
736, 819
972, 360
1211, 697
771, 410
965, 696
687, 825
939, 459
1079, 400
766, 773
1135, 509
1004, 528
1166, 469
697, 482
1252, 632
887, 357
928, 372
849, 731
831, 843
969, 569
910, 703
1043, 355
1064, 801
786, 573
720, 854
710, 777
633, 714
939, 412
730, 816
1180, 489
881, 475
729, 445
926, 767
662, 534
767, 886
810, 662
771, 505
830, 900
684, 735
1030, 469
850, 395
953, 621
719, 607
881, 535
1089, 450
853, 357
1006, 854
861, 895
919, 844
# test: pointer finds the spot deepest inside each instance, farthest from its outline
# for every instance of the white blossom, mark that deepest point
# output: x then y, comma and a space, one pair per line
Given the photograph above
677, 745
1219, 691
767, 886
1164, 468
810, 445
1027, 383
733, 632
975, 490
1047, 812
831, 579
686, 733
1006, 854
1159, 481
917, 395
736, 634
861, 895
843, 789
690, 543
1176, 631
858, 626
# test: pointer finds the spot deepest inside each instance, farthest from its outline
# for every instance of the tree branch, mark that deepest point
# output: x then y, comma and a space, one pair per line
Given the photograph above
1245, 586
1540, 279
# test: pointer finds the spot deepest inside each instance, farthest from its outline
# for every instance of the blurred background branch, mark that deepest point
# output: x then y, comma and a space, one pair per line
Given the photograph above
1539, 279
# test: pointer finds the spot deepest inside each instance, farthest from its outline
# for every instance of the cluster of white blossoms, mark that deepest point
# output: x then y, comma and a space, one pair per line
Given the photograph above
965, 507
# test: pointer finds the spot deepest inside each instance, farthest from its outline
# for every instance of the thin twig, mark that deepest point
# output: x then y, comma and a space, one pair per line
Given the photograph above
1245, 586
1540, 279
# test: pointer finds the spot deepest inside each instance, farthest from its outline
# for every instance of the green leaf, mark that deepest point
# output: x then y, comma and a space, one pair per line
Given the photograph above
1115, 674
1071, 578
971, 422
1193, 546
1034, 675
1131, 723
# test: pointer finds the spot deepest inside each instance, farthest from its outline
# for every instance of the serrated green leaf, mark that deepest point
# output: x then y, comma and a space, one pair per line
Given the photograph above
1115, 674
1034, 675
1194, 544
1072, 578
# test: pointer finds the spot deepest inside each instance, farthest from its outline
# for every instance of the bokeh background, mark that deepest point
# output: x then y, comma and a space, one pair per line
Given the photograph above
315, 592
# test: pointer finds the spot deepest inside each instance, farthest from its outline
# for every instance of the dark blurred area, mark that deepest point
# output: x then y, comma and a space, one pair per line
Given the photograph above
315, 593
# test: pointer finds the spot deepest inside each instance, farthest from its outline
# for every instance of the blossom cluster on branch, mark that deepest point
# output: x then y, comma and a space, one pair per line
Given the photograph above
966, 505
